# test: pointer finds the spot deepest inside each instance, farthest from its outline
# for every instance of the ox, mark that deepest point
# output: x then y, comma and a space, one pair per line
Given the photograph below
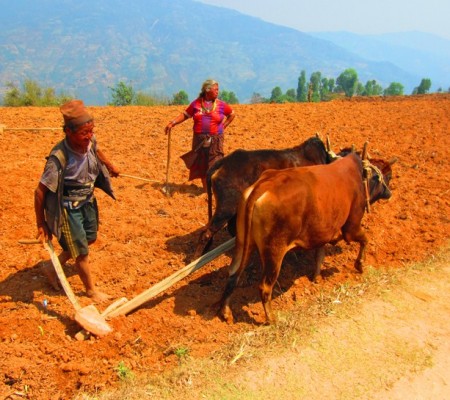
305, 207
231, 175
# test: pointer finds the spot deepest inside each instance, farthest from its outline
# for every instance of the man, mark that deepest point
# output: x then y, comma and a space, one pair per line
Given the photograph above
64, 200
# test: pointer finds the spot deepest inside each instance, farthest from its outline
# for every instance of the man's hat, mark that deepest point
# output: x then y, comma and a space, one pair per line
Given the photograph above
75, 113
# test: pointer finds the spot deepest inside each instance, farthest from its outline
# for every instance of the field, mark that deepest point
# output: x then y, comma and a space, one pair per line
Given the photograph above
146, 236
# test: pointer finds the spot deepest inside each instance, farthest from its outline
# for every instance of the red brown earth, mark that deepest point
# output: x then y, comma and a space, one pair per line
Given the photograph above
146, 236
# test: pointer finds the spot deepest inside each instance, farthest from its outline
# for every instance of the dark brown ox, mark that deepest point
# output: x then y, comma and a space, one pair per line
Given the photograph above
305, 207
231, 175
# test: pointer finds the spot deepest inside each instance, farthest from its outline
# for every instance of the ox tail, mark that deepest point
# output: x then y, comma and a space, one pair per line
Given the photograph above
244, 238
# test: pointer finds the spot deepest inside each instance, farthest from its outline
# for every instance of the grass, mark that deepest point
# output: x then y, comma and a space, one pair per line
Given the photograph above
123, 372
340, 344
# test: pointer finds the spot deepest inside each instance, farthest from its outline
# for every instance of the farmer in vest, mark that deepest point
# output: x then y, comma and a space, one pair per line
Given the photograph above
64, 200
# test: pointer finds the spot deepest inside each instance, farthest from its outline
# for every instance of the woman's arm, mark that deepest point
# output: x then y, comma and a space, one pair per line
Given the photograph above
229, 120
178, 120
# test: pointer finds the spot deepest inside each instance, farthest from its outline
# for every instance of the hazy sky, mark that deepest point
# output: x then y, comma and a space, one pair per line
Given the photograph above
357, 16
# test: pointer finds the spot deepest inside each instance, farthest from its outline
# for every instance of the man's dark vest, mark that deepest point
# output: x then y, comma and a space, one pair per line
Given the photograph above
54, 204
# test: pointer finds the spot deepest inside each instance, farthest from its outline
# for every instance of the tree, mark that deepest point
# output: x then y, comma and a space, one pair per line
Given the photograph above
348, 81
394, 89
324, 91
122, 95
359, 89
290, 96
424, 87
257, 99
180, 98
315, 81
277, 95
12, 96
372, 88
331, 85
302, 90
228, 97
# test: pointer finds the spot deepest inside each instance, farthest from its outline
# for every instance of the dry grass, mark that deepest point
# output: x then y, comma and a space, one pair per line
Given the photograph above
341, 344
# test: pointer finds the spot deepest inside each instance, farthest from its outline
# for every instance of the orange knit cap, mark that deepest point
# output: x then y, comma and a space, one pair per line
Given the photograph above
75, 113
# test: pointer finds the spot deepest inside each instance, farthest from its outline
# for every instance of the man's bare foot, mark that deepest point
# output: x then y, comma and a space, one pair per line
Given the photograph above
97, 296
50, 273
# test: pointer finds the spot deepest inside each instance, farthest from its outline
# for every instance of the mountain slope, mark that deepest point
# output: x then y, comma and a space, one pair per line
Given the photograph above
162, 46
423, 54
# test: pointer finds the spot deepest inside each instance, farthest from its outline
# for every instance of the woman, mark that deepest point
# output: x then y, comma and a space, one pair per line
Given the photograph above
211, 116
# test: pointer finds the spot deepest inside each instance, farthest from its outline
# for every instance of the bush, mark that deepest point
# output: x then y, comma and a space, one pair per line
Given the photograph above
32, 94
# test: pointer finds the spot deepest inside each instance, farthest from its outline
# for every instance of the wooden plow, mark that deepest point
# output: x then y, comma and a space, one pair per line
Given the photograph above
166, 283
124, 306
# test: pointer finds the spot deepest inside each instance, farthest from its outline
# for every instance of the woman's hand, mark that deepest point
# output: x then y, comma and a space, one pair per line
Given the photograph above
169, 127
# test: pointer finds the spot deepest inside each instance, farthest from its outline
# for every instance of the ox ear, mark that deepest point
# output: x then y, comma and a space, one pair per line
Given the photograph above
364, 152
393, 160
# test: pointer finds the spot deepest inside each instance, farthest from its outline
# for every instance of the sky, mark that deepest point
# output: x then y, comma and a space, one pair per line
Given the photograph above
356, 16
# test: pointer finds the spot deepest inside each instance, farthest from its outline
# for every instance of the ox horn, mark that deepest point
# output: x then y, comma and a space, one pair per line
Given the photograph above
328, 143
364, 152
353, 148
393, 160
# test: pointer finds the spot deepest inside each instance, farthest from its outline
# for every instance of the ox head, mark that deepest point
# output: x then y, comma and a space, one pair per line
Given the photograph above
378, 174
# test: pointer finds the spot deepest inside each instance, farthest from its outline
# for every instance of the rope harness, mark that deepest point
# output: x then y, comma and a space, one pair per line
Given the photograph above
368, 171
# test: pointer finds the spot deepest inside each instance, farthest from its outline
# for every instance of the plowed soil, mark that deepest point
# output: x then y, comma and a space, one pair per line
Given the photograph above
145, 236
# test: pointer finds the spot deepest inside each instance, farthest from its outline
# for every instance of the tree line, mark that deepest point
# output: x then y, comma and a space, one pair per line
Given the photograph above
320, 88
316, 89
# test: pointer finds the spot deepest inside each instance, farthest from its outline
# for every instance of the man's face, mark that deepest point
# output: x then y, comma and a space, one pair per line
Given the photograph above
81, 136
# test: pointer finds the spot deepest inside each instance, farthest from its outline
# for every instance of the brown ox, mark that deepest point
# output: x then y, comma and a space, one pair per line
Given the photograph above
303, 207
231, 175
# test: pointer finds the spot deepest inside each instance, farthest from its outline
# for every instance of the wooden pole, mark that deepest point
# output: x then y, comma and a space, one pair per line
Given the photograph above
138, 178
4, 128
171, 280
166, 189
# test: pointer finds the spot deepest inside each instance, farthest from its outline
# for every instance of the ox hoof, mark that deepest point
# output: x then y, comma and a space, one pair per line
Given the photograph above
226, 315
359, 266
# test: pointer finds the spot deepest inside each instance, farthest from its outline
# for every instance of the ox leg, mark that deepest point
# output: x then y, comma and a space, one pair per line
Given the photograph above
235, 270
359, 263
271, 270
318, 260
204, 243
225, 311
231, 226
206, 237
360, 237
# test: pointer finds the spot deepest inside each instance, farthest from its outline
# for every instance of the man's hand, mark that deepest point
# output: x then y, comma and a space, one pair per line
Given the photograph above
44, 234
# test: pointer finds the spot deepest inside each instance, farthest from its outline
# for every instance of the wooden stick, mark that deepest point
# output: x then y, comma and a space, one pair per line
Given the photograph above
171, 280
31, 129
29, 241
61, 275
166, 186
137, 177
